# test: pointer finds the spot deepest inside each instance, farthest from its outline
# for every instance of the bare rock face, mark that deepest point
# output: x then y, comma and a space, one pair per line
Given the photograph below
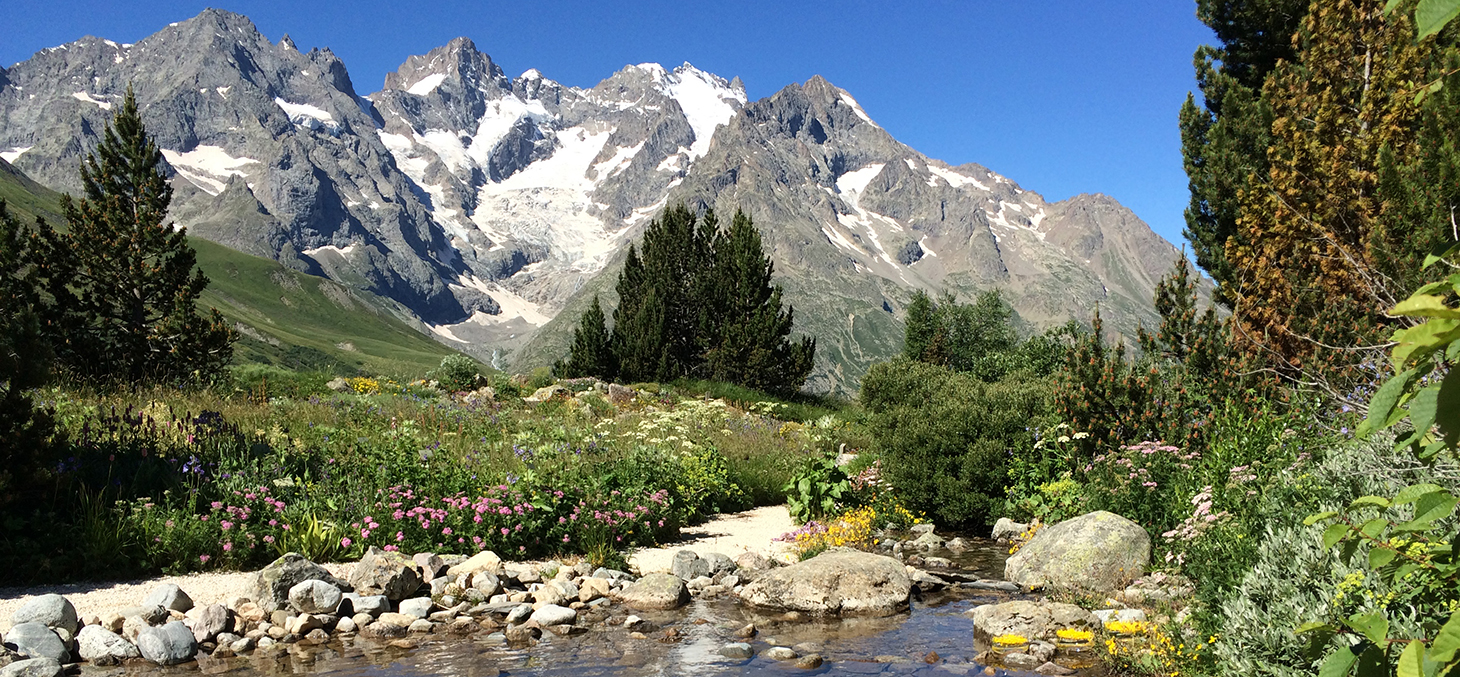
1029, 619
1099, 551
656, 591
381, 572
840, 582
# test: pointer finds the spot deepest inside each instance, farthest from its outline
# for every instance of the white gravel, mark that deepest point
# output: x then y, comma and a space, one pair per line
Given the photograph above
730, 535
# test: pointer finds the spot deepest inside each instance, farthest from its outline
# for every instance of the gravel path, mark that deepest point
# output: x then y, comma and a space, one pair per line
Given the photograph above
729, 535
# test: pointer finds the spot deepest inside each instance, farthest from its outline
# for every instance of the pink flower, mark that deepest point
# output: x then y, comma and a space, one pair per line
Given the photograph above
505, 531
446, 531
204, 558
565, 538
227, 546
268, 539
400, 536
345, 542
225, 524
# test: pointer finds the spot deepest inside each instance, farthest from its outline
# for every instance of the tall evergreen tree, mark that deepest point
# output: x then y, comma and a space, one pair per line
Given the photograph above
592, 350
752, 345
25, 356
920, 327
638, 323
1224, 142
122, 279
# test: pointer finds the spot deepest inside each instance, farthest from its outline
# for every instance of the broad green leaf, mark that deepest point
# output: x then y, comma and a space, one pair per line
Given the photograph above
1422, 409
1424, 305
1389, 6
1373, 662
1374, 527
1369, 500
1433, 286
1404, 570
1416, 343
1413, 493
1447, 407
1334, 533
1433, 506
1378, 557
1338, 663
1447, 641
1432, 15
1411, 660
1310, 626
1319, 517
1385, 400
1372, 625
1349, 549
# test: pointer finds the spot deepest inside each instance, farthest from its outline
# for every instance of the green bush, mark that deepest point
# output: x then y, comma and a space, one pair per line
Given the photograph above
946, 437
457, 373
265, 381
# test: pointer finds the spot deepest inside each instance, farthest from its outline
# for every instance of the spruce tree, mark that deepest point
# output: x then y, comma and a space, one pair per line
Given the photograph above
752, 346
24, 356
592, 350
919, 330
122, 279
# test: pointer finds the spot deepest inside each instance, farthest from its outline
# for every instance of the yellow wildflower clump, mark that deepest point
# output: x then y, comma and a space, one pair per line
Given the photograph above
365, 385
1145, 649
1010, 640
1073, 635
1126, 627
852, 530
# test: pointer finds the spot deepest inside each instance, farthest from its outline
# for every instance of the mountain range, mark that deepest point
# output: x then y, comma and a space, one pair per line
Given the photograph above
492, 208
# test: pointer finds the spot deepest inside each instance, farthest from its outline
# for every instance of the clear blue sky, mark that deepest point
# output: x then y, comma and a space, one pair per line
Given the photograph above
1062, 96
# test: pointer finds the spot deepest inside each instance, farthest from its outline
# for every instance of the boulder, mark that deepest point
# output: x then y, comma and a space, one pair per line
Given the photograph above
1008, 529
35, 640
549, 594
367, 604
546, 393
655, 591
553, 614
485, 582
271, 584
211, 621
688, 565
315, 597
382, 572
431, 566
837, 582
52, 611
1098, 551
484, 561
752, 560
928, 541
418, 607
169, 596
33, 667
103, 647
338, 385
737, 651
593, 588
169, 644
1028, 619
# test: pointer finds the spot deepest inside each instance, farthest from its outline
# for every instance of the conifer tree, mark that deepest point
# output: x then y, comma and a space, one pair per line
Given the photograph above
592, 350
25, 356
920, 329
752, 345
122, 279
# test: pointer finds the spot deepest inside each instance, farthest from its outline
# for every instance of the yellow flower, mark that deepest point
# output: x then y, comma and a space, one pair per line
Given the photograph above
1126, 627
1073, 635
1010, 640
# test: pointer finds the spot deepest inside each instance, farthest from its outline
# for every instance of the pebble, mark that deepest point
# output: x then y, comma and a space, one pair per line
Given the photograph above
780, 653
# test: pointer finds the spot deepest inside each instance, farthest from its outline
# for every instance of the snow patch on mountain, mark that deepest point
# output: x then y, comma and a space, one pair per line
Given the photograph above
83, 96
14, 153
208, 167
308, 116
427, 84
702, 96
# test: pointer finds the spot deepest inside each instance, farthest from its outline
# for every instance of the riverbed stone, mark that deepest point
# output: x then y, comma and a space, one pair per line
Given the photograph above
367, 604
52, 611
655, 591
593, 588
780, 653
809, 661
419, 607
837, 582
485, 560
169, 644
432, 567
553, 614
211, 621
169, 596
33, 667
485, 582
103, 647
688, 565
1029, 619
737, 651
36, 640
271, 584
1099, 551
315, 597
384, 572
1007, 529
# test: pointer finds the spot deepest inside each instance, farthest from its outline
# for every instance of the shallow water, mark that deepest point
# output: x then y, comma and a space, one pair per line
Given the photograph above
892, 646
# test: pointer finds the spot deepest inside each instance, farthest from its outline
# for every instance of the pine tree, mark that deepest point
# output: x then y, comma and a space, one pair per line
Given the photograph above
1186, 336
1306, 289
122, 280
592, 350
1224, 142
25, 356
751, 345
638, 323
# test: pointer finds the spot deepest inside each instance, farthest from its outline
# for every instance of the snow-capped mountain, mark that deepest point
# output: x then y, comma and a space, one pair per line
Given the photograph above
493, 207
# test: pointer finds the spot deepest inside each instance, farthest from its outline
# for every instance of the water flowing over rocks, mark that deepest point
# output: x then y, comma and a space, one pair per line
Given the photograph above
1098, 551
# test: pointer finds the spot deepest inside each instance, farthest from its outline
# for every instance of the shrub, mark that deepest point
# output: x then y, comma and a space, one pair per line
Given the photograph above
946, 437
457, 373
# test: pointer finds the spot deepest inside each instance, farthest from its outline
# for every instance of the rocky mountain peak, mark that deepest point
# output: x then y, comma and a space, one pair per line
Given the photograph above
458, 61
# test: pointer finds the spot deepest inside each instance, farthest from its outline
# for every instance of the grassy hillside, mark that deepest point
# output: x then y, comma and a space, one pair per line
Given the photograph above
283, 317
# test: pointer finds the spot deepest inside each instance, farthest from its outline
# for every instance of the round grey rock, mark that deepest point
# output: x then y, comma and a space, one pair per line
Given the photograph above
780, 653
837, 582
420, 607
552, 614
656, 591
169, 644
1099, 551
34, 667
738, 650
35, 640
103, 647
53, 611
169, 596
315, 597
